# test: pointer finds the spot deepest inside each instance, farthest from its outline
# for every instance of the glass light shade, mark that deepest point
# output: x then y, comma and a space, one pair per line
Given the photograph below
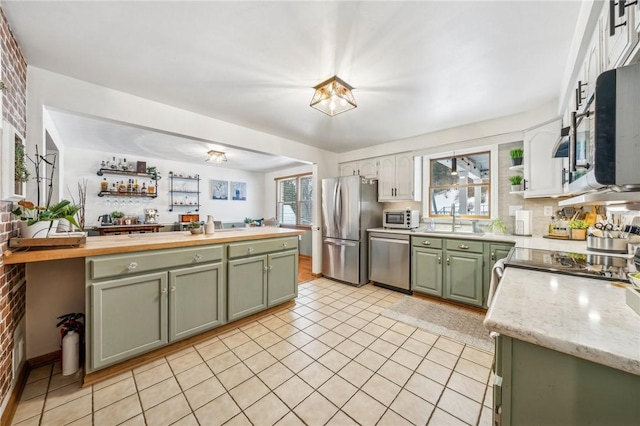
216, 157
333, 97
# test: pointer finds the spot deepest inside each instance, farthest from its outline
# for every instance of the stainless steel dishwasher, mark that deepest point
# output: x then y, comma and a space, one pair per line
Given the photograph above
389, 256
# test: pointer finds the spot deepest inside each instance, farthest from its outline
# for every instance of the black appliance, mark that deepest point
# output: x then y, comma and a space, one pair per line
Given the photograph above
612, 268
604, 139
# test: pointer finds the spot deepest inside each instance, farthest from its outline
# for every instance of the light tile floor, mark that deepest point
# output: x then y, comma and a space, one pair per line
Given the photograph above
332, 360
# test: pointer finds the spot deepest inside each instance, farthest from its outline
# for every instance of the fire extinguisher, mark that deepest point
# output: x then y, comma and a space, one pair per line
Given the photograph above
71, 335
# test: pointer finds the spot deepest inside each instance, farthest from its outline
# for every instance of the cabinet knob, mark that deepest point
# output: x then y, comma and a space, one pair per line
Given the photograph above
197, 257
426, 243
266, 269
163, 291
439, 260
132, 265
448, 261
250, 250
493, 255
463, 246
270, 268
284, 245
173, 288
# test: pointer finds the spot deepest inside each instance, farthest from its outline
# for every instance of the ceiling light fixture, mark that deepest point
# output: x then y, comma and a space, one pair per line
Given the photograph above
333, 96
454, 166
216, 157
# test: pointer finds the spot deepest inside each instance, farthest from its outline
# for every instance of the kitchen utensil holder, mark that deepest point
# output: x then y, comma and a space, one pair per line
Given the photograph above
609, 245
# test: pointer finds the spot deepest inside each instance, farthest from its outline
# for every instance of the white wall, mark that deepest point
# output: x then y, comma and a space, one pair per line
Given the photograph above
82, 164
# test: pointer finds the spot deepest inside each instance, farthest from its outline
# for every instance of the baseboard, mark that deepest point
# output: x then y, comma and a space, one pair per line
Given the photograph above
45, 359
304, 256
16, 393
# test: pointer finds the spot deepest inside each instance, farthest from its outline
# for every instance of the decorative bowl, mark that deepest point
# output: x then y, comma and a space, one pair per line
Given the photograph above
195, 231
634, 277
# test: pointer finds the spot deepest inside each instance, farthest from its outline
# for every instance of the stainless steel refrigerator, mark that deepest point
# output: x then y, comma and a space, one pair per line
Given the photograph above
349, 207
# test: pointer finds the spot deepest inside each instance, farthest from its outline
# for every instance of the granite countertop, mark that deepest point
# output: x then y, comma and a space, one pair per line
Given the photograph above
534, 242
583, 317
110, 244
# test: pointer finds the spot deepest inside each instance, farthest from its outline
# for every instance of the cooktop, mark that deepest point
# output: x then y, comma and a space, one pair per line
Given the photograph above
599, 266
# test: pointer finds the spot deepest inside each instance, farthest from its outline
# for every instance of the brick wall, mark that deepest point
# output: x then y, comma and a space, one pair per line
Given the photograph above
14, 106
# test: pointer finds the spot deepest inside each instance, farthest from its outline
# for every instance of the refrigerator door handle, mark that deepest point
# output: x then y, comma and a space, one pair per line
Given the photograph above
340, 243
338, 212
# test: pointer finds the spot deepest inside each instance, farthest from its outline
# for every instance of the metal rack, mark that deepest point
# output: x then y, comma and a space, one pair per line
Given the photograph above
152, 176
189, 192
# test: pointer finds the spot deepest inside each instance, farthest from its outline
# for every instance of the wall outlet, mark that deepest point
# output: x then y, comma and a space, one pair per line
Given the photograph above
548, 210
513, 209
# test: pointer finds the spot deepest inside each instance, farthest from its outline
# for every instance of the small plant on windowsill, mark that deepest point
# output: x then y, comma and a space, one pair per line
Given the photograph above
516, 183
497, 226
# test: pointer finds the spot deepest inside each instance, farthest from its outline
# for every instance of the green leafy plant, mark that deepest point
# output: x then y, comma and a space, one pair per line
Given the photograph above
117, 215
516, 153
29, 212
515, 180
497, 226
578, 224
153, 170
248, 220
194, 225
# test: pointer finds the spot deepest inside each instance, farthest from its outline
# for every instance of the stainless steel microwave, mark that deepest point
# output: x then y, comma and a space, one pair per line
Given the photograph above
604, 148
401, 219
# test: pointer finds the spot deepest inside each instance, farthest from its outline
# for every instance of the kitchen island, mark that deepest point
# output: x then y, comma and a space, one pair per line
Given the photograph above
568, 350
115, 280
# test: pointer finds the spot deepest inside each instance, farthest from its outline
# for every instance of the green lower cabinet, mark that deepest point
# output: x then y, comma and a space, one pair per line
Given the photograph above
463, 277
492, 253
282, 284
128, 317
247, 286
541, 386
426, 271
196, 300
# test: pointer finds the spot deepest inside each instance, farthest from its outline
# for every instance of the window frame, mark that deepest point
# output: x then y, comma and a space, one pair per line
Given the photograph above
492, 184
298, 178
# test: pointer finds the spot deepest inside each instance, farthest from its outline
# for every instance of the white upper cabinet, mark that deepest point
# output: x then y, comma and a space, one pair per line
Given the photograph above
398, 178
592, 64
543, 173
367, 168
618, 46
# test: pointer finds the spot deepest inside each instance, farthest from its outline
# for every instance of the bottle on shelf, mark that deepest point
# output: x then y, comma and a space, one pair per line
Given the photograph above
113, 165
143, 190
136, 187
552, 226
104, 185
125, 165
113, 187
151, 189
122, 187
130, 185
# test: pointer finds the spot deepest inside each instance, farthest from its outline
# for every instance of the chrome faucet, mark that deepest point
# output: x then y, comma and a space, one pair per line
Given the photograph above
453, 218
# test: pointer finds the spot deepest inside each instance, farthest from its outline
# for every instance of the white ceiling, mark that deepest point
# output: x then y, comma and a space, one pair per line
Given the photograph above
417, 67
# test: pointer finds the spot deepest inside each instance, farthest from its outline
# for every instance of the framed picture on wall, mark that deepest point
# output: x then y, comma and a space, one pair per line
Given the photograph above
239, 191
220, 190
14, 164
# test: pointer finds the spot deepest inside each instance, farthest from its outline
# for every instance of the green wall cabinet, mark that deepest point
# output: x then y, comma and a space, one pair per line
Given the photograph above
540, 386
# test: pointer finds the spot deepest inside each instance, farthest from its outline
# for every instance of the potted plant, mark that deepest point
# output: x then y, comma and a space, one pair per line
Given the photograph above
516, 183
578, 229
117, 217
195, 227
36, 221
516, 156
247, 222
497, 226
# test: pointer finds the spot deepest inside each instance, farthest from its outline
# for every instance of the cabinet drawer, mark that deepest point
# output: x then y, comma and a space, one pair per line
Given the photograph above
134, 263
429, 242
251, 248
465, 245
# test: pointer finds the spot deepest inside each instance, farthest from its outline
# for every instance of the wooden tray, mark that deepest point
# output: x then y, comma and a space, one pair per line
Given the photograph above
557, 236
47, 242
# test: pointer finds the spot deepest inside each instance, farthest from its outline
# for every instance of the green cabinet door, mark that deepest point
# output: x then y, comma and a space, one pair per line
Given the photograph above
463, 277
426, 271
247, 286
492, 253
196, 300
128, 317
282, 277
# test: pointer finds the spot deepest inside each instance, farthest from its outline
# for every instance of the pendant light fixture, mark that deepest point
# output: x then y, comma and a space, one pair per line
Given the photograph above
454, 166
333, 96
